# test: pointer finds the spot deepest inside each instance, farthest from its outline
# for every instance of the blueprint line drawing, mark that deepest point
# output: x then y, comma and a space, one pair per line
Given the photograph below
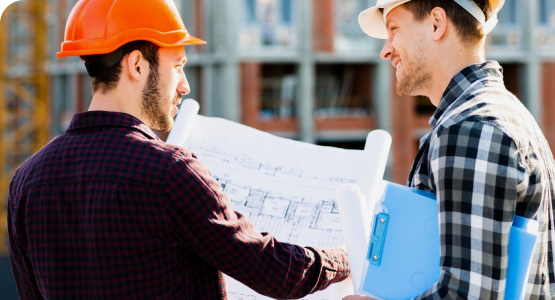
284, 187
284, 215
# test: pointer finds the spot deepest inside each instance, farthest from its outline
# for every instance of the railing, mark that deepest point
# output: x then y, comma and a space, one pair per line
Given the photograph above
545, 38
506, 36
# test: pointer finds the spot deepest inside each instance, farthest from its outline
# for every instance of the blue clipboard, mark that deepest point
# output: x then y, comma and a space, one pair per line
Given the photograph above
403, 253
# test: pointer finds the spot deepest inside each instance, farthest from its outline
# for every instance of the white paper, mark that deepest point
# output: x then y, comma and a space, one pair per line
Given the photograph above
374, 161
184, 123
285, 187
356, 228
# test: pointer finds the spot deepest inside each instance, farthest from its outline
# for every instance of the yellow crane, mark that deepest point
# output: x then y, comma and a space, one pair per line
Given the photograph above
24, 94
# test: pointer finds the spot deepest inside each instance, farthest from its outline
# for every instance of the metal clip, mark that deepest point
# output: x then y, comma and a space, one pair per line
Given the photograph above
378, 239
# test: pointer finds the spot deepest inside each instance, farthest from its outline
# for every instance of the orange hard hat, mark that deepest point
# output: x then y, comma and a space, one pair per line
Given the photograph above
102, 26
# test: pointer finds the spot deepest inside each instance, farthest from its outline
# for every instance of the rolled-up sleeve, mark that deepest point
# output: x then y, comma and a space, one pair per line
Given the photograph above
476, 175
201, 218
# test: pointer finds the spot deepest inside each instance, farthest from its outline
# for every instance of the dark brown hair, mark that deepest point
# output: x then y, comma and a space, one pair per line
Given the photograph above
468, 28
108, 80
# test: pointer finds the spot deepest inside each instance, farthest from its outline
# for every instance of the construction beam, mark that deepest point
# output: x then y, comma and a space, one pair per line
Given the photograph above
4, 182
24, 101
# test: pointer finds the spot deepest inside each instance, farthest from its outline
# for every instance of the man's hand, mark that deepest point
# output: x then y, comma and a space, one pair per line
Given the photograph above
358, 297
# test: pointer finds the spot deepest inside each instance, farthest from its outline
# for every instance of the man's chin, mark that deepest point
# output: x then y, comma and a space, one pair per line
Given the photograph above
403, 91
164, 128
171, 122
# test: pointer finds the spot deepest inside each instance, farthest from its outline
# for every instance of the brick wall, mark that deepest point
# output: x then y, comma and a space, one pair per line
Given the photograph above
548, 103
250, 92
323, 25
403, 146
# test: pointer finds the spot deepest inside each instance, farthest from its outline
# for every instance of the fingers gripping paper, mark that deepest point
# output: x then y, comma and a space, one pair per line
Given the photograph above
285, 187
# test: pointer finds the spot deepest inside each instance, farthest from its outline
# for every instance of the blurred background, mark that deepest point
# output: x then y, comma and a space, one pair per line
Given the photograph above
299, 69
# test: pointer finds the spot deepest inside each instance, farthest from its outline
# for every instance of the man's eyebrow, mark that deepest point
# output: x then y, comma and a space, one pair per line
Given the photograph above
181, 61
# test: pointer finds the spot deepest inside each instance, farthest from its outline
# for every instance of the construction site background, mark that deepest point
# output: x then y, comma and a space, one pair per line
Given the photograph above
300, 69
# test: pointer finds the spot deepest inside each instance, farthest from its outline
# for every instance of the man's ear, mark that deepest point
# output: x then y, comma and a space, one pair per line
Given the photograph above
439, 22
135, 64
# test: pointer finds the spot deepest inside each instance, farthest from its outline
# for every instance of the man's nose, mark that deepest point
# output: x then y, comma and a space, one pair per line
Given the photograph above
183, 87
387, 50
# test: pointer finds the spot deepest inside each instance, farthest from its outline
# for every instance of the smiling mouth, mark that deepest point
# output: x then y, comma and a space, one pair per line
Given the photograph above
399, 63
177, 100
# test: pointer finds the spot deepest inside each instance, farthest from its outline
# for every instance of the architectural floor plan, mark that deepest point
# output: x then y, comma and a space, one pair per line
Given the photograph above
284, 187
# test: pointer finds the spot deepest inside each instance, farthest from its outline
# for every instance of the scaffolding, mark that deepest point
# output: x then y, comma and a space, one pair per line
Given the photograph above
24, 101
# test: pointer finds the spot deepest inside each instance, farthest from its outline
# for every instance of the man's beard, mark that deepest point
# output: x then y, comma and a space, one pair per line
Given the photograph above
150, 105
414, 78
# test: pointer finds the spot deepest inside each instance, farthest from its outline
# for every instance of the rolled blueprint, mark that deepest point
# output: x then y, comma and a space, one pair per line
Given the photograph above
184, 122
355, 221
376, 151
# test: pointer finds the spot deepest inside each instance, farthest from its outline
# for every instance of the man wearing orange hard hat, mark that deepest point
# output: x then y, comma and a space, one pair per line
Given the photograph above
485, 159
109, 211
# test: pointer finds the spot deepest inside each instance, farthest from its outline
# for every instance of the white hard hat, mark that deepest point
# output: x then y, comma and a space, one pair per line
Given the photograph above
372, 20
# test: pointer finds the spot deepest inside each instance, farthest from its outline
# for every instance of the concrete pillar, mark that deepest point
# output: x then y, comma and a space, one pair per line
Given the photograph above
231, 105
532, 74
532, 86
305, 103
206, 87
382, 94
207, 69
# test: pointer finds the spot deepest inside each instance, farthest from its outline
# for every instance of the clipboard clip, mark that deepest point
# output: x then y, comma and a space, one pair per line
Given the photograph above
377, 240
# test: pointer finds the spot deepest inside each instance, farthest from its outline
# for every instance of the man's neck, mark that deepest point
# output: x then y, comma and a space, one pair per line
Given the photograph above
115, 101
448, 66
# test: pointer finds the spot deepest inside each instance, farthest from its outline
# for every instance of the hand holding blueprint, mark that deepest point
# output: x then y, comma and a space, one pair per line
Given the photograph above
285, 187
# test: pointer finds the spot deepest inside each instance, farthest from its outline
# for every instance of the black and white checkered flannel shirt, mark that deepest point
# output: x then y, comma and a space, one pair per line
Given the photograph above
486, 160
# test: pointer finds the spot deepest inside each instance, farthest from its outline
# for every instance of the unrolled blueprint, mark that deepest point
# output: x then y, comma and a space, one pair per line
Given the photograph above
285, 187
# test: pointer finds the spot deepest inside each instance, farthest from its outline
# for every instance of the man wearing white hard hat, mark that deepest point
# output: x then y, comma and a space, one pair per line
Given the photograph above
485, 159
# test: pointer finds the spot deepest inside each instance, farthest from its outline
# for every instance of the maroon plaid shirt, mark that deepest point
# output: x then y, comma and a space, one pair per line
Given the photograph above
108, 210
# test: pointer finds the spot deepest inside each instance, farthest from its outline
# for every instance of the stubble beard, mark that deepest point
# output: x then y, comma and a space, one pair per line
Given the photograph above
415, 78
152, 99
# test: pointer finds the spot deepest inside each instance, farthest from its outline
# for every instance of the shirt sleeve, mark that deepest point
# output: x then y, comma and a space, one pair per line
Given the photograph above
475, 173
201, 217
22, 268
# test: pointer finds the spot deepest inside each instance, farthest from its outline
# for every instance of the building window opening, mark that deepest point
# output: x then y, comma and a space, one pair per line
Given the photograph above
350, 145
343, 91
268, 24
424, 106
278, 91
348, 34
546, 20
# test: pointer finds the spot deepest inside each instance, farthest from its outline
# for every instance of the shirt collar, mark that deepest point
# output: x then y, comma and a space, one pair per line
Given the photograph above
107, 118
461, 81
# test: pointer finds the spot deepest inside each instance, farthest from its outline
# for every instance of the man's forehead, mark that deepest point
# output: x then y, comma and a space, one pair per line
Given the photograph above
174, 53
398, 14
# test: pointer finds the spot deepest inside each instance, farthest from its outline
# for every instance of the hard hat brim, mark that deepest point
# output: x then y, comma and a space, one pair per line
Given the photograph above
98, 46
372, 23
